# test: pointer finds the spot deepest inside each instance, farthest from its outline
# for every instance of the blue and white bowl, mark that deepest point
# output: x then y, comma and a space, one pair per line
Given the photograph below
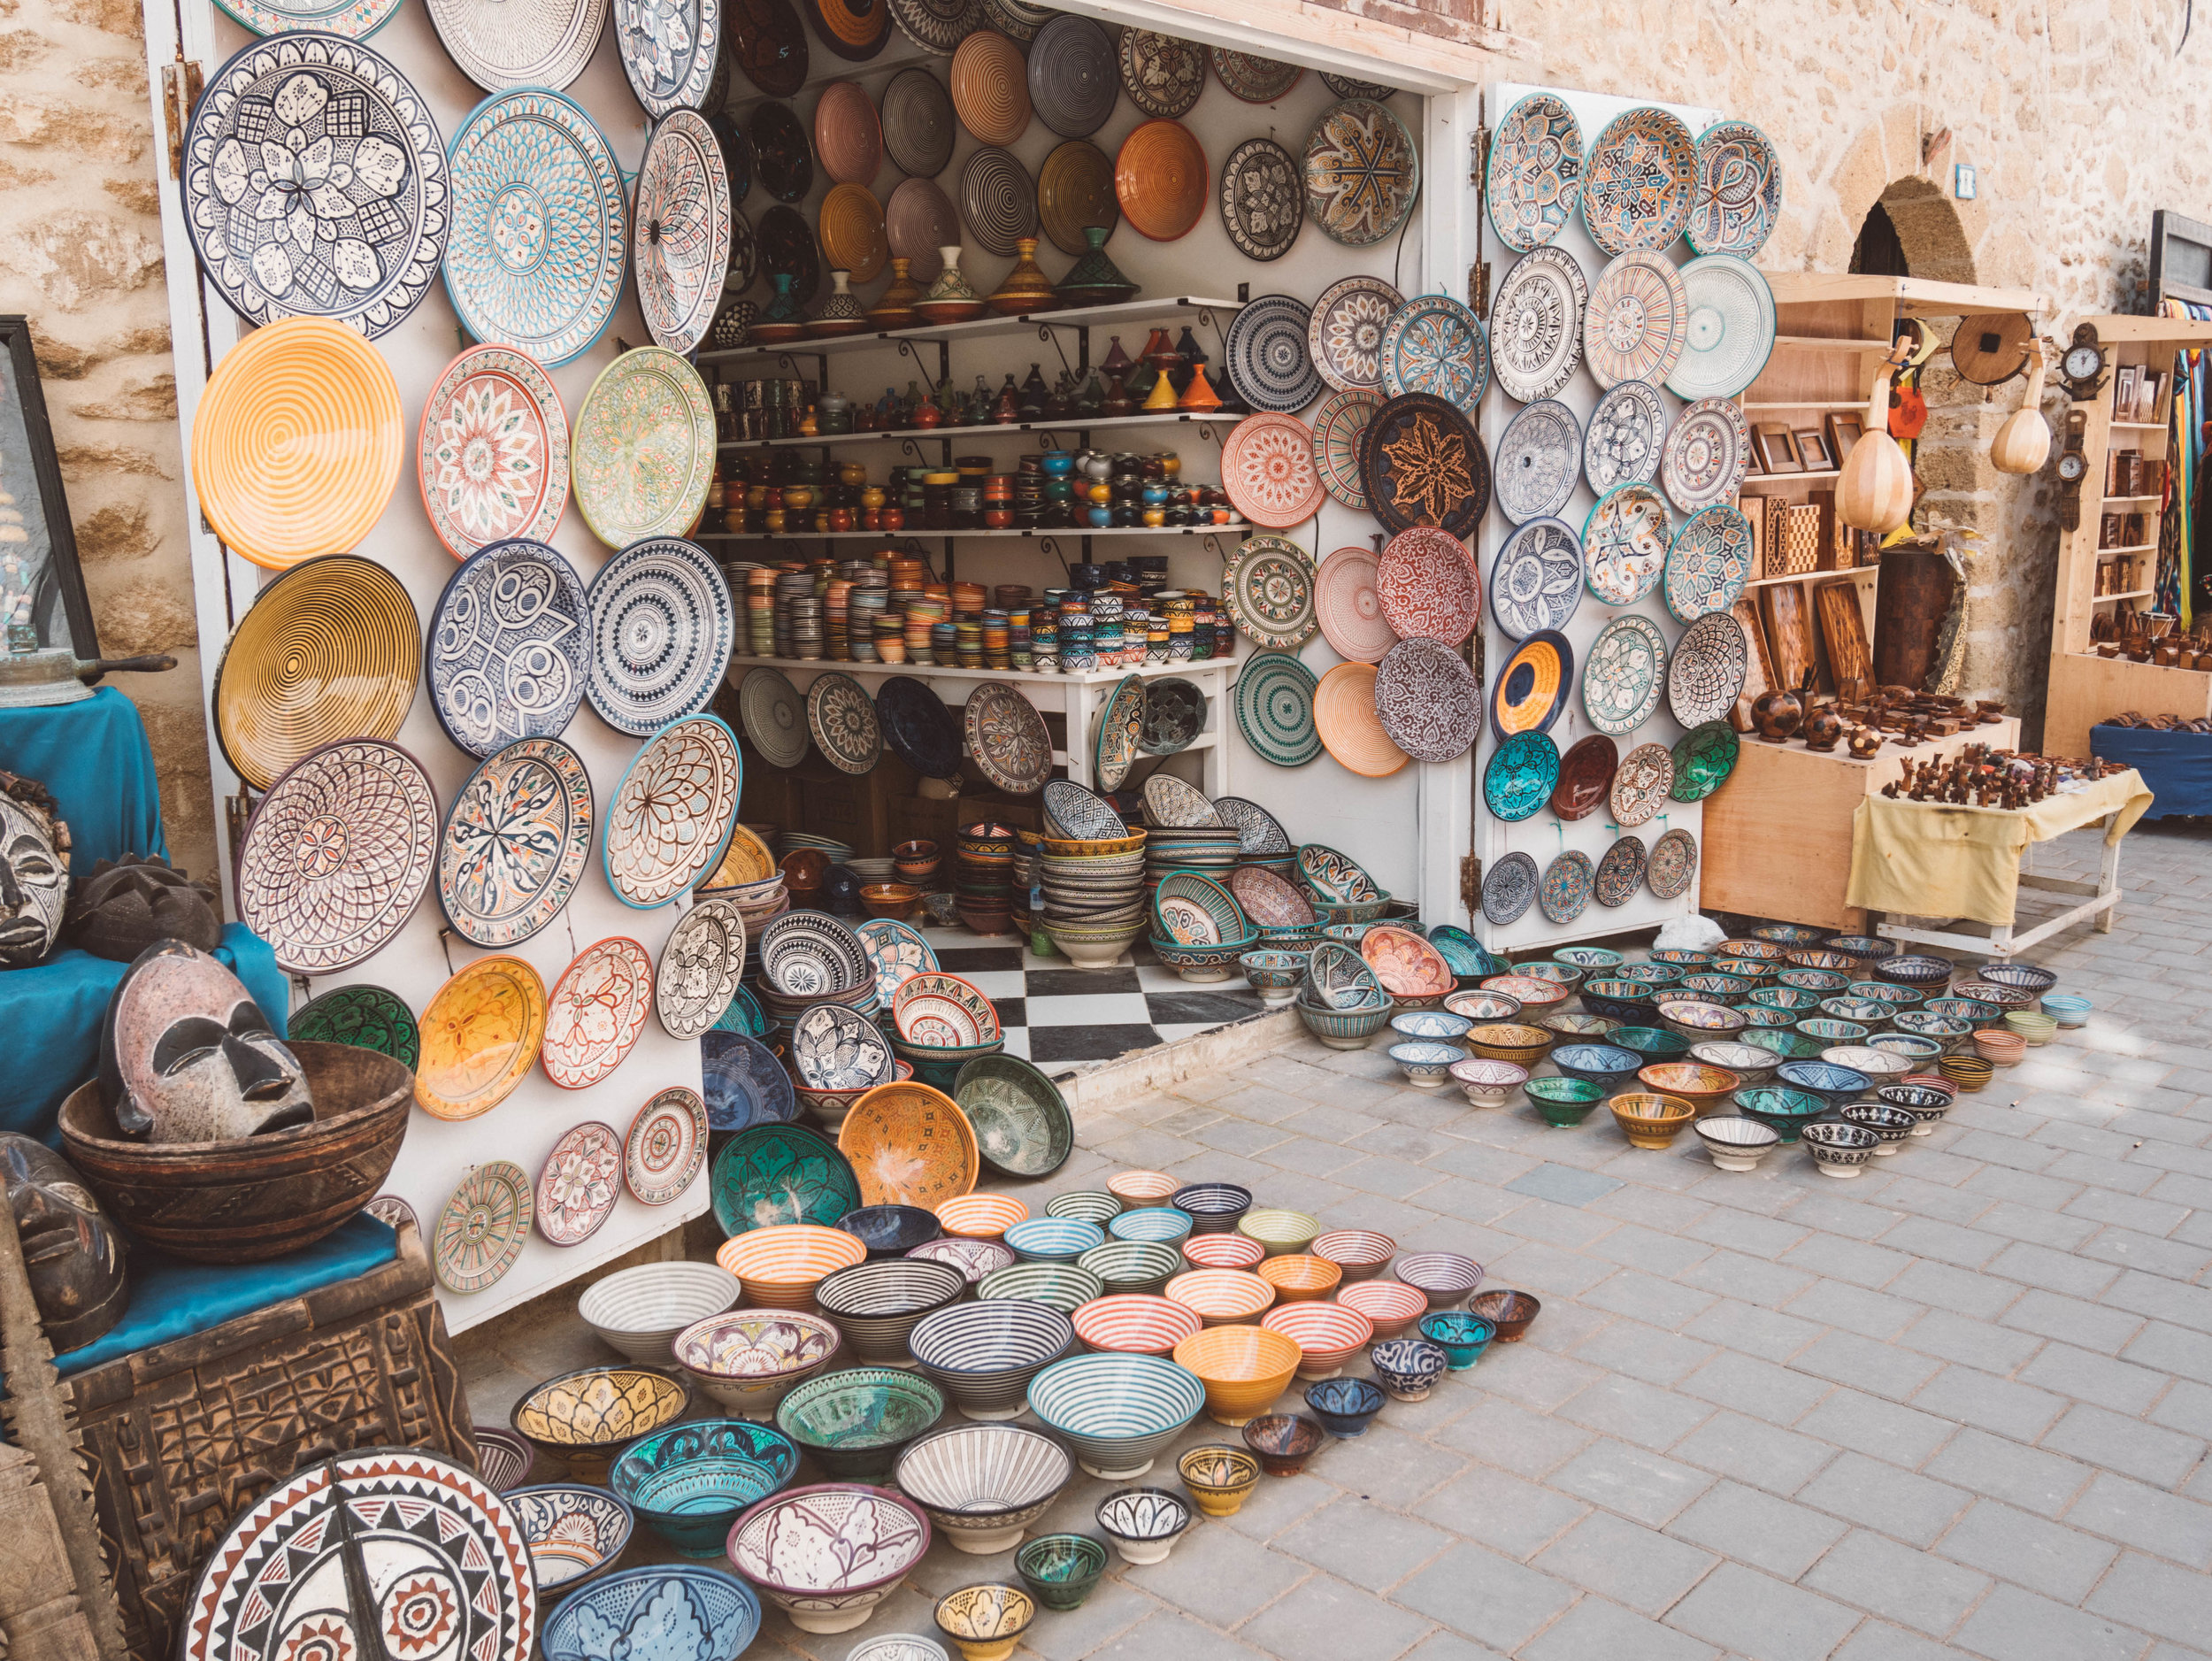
1213, 1207
1834, 1085
1118, 1412
1162, 1224
2068, 1008
1427, 1066
573, 1530
1345, 1407
1924, 1102
1407, 1366
1433, 1026
1053, 1238
669, 1612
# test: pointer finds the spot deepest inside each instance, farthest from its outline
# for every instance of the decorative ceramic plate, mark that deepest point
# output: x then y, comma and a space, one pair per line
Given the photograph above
1349, 608
699, 968
1120, 737
1621, 872
1350, 725
1268, 900
1174, 714
783, 157
337, 854
1639, 181
1267, 468
509, 647
480, 1034
547, 43
298, 442
1565, 889
774, 715
579, 1185
1703, 758
1709, 564
1075, 189
644, 450
1586, 774
662, 624
1731, 332
483, 1227
1738, 198
1536, 321
666, 1145
916, 727
1532, 686
919, 219
772, 1175
540, 226
672, 815
1535, 175
908, 1145
1427, 584
1624, 674
1265, 354
1074, 814
1007, 737
1252, 78
1421, 463
1640, 787
855, 30
841, 718
1161, 73
492, 452
1162, 181
314, 185
744, 863
1268, 585
918, 124
1335, 878
788, 249
366, 1017
1262, 197
682, 248
1429, 700
669, 49
1337, 426
1405, 963
1345, 337
743, 1082
1638, 320
596, 1012
1707, 453
1434, 344
1274, 700
1539, 459
1536, 578
936, 25
1627, 432
1674, 865
834, 1048
1625, 543
998, 202
1363, 172
1074, 76
330, 649
1509, 888
990, 93
1258, 831
516, 843
898, 953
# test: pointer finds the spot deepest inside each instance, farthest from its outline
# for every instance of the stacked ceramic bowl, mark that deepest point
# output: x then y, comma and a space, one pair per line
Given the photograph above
940, 1023
808, 957
983, 876
1339, 1000
1198, 928
1094, 896
1208, 849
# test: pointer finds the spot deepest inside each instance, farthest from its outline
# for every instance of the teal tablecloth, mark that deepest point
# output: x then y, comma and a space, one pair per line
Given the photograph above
93, 757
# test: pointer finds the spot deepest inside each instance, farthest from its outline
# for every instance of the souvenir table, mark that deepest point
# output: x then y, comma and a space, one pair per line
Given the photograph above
2177, 767
93, 757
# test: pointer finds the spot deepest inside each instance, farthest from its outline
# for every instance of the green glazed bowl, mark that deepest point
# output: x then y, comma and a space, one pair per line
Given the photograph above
1564, 1102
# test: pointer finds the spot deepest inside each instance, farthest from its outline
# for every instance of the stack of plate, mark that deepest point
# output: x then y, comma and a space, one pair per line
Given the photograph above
1094, 895
1027, 850
983, 876
837, 853
1210, 850
940, 1023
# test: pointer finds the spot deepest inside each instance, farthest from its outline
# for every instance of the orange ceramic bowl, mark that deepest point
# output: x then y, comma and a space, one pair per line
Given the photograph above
1695, 1082
1651, 1121
1360, 1252
1298, 1277
1243, 1368
1141, 1187
980, 1215
1222, 1251
779, 1267
1327, 1335
1222, 1297
1391, 1306
1136, 1323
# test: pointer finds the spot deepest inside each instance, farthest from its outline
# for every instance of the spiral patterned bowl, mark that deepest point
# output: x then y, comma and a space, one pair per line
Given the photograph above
1213, 1207
1141, 1187
980, 1215
642, 1311
1360, 1252
984, 1354
827, 1555
854, 1422
1327, 1335
877, 1304
781, 1265
1136, 1323
1298, 1277
1162, 1225
689, 1483
749, 1359
1390, 1306
1133, 1265
1221, 1297
1065, 1287
1091, 1205
1223, 1251
1280, 1232
1445, 1278
1054, 1239
981, 1485
1118, 1412
1243, 1368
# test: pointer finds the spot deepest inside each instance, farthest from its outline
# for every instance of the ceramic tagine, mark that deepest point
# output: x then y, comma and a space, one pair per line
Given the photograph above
782, 320
1094, 279
840, 312
1027, 287
952, 298
896, 309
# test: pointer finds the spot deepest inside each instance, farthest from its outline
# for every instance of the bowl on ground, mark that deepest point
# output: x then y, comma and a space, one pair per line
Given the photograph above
891, 1231
828, 1554
1133, 1266
1091, 1205
1406, 1368
1510, 1312
1223, 1251
1391, 1306
854, 1422
983, 1354
1061, 1569
690, 1482
1117, 1411
1242, 1368
634, 1613
981, 1485
746, 1361
1327, 1335
1926, 1104
1283, 1442
1213, 1208
1299, 1276
1222, 1297
980, 1215
573, 1530
1361, 1253
1282, 1231
1345, 1407
1461, 1335
985, 1621
1065, 1287
1445, 1278
1054, 1239
875, 1305
1135, 1323
1143, 1522
1649, 1119
1892, 1124
1781, 1108
1427, 1066
1162, 1225
580, 1420
1564, 1102
1735, 1142
1487, 1083
1841, 1151
642, 1311
1220, 1477
1606, 1066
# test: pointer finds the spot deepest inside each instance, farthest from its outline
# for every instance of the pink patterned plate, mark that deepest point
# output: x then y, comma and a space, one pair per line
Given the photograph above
1428, 699
1406, 965
1428, 585
581, 1181
1337, 425
1350, 609
1267, 468
666, 1145
1270, 901
492, 452
596, 1011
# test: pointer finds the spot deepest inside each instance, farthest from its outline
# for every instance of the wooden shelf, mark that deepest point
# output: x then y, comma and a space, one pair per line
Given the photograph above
1813, 576
954, 434
2132, 594
1809, 404
1751, 478
1238, 531
980, 329
945, 672
2140, 426
1823, 343
2135, 498
2132, 547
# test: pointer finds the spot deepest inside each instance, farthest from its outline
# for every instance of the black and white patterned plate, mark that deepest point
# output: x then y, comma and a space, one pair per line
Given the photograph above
1266, 353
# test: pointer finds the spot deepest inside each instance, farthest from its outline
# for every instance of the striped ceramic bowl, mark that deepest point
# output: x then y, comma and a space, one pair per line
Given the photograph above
1092, 1205
1117, 1411
1360, 1252
1133, 1265
1445, 1278
980, 1215
1223, 1251
1390, 1306
1298, 1277
779, 1267
1136, 1323
1279, 1231
1327, 1335
1141, 1187
1213, 1207
1222, 1297
981, 1485
1161, 1223
984, 1354
875, 1305
1065, 1287
1054, 1239
641, 1311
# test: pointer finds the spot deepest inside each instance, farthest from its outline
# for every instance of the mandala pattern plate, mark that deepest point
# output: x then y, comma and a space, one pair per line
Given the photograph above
353, 19
1536, 323
669, 50
841, 718
596, 1012
1730, 330
1520, 777
1262, 197
1709, 564
898, 953
1640, 183
1640, 789
1265, 354
1707, 453
1509, 888
366, 1017
1429, 700
1621, 872
1536, 578
492, 452
1565, 890
1120, 738
773, 1175
1674, 865
1274, 700
1428, 585
666, 1145
1337, 425
579, 1185
1363, 172
1349, 608
1638, 320
509, 647
1624, 675
1007, 737
1532, 686
1625, 438
1703, 758
1345, 338
1267, 468
337, 854
515, 842
544, 43
1161, 73
1421, 463
644, 450
1625, 543
1738, 200
1252, 78
1586, 774
775, 716
682, 249
662, 623
1535, 175
834, 1048
540, 226
699, 969
671, 816
1434, 345
483, 1227
480, 1034
314, 185
1268, 584
1539, 459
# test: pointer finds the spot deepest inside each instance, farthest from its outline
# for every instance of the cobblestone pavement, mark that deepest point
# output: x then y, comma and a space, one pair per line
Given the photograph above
1958, 1407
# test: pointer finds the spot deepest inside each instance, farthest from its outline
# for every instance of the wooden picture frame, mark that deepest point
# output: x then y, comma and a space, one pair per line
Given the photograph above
2125, 383
43, 599
1843, 431
2147, 390
1812, 450
1774, 449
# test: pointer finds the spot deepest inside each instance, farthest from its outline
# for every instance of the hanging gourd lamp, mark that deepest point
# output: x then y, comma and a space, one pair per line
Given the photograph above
1875, 492
2023, 441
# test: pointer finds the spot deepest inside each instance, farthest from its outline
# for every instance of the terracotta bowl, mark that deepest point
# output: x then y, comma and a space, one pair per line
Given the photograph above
980, 1215
1509, 1311
1243, 1368
1651, 1120
1283, 1442
781, 1265
1390, 1306
1298, 1277
1328, 1334
1222, 1297
1693, 1081
1223, 1251
898, 901
1360, 1252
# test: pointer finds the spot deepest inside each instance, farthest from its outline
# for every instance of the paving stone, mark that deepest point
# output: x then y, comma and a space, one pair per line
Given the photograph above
1111, 1609
1632, 1481
2088, 1377
2016, 1625
1277, 1503
1165, 1634
1500, 1433
1975, 1397
1860, 1363
1642, 1352
1324, 1619
1486, 1596
2006, 1470
2087, 1325
2176, 1259
2028, 1550
1752, 1280
1535, 1376
1390, 1466
1965, 1291
1977, 1344
2172, 1349
1502, 1511
1752, 1614
1758, 1388
1562, 1185
1364, 1543
1877, 1641
2170, 1602
1627, 1562
2165, 1525
1764, 1455
1852, 1419
1760, 1331
1875, 1573
1880, 1496
1566, 1226
1748, 1527
2161, 1457
1635, 1411
1838, 1258
1595, 1630
2186, 1407
1219, 1576
1636, 1247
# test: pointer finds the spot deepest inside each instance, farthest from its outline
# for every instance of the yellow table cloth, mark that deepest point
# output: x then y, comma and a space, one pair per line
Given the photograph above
1931, 859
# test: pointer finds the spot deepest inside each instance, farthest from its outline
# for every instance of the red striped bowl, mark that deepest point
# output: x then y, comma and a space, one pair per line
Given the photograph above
1224, 1297
1136, 1323
1327, 1335
1391, 1305
1222, 1251
981, 1216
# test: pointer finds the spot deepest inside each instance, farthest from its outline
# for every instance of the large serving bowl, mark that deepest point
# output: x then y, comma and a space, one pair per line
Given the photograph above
1327, 1335
1445, 1278
1160, 1225
1361, 1253
635, 1612
1223, 1251
1061, 1569
689, 1483
1650, 1119
1117, 1411
827, 1555
1243, 1368
748, 1360
1134, 1323
1133, 1266
983, 1354
891, 1231
1220, 1477
1406, 1368
1564, 1102
980, 1215
977, 1259
854, 1422
578, 1420
981, 1485
1054, 1239
1143, 1522
573, 1530
1221, 1297
1065, 1287
1634, 1002
986, 1622
1390, 1306
781, 1265
642, 1311
1280, 1231
877, 1304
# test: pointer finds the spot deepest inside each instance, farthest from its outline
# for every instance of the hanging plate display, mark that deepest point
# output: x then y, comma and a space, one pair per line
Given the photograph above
1075, 189
853, 234
783, 157
1639, 181
1160, 179
1434, 345
1532, 686
1007, 737
1363, 172
744, 266
774, 717
547, 43
1672, 867
1641, 785
1536, 323
1539, 458
337, 853
1351, 729
919, 123
1252, 78
699, 968
1120, 738
1730, 329
515, 842
1345, 337
1534, 179
841, 718
1268, 585
596, 1012
1265, 351
1074, 76
1536, 578
787, 249
1161, 73
766, 42
1638, 320
1421, 463
577, 1189
1262, 197
1565, 890
936, 25
849, 133
521, 274
669, 49
1428, 585
491, 455
1705, 675
1509, 888
366, 1017
777, 1174
1707, 453
1267, 468
1625, 438
1707, 564
480, 1034
1274, 703
1174, 712
743, 1082
1518, 779
855, 30
314, 185
918, 728
662, 622
683, 230
897, 952
1585, 772
1337, 425
1258, 831
479, 1234
997, 200
1621, 872
509, 647
1429, 700
644, 450
1625, 543
670, 816
1019, 19
1703, 757
666, 1146
1622, 677
1350, 608
1737, 200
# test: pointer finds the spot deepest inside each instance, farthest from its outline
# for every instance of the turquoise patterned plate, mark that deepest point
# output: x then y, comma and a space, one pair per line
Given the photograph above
1434, 345
1519, 776
1274, 699
1535, 175
1625, 543
773, 1175
1738, 200
1624, 674
1703, 759
1708, 563
1565, 889
1637, 189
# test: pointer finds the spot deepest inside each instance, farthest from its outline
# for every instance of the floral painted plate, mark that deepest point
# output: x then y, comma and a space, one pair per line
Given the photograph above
1509, 888
1624, 675
1626, 437
1428, 585
1621, 872
1429, 700
1565, 890
841, 718
1274, 695
1707, 563
1267, 468
1707, 453
666, 1145
480, 1034
1536, 578
597, 1011
1254, 79
1638, 322
1268, 585
1363, 172
1534, 179
366, 1017
670, 49
1434, 344
1421, 463
1337, 426
644, 448
483, 1228
492, 452
1520, 776
579, 1185
681, 241
1539, 459
1737, 200
670, 816
1625, 543
1640, 183
700, 967
509, 647
1262, 196
1007, 737
1345, 338
1640, 789
662, 626
1536, 323
516, 841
